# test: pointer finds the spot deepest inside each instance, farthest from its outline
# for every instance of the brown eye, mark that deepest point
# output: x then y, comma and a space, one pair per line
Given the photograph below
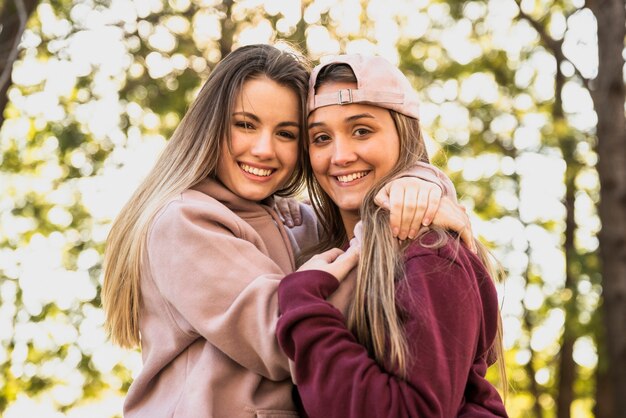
287, 134
362, 132
320, 139
244, 125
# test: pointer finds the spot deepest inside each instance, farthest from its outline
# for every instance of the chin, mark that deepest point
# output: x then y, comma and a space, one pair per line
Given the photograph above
255, 195
349, 206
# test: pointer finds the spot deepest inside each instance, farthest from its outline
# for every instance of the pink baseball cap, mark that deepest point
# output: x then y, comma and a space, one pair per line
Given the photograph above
378, 83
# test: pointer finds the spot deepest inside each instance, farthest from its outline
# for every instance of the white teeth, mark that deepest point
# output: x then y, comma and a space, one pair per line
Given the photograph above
261, 172
351, 177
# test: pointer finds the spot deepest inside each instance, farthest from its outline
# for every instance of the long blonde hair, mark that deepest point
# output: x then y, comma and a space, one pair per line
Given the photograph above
190, 156
374, 315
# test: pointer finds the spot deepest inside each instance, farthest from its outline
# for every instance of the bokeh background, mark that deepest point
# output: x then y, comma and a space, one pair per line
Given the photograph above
92, 89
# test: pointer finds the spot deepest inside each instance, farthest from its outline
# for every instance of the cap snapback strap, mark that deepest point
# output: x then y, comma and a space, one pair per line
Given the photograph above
347, 96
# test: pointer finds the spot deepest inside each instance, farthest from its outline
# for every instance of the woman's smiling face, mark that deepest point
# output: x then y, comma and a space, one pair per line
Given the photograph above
351, 147
263, 150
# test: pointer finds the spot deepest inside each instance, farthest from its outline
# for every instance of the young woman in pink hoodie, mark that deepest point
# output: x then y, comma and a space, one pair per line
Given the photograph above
423, 325
194, 259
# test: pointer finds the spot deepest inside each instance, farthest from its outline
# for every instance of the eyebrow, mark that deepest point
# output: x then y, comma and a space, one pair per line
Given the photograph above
257, 119
348, 119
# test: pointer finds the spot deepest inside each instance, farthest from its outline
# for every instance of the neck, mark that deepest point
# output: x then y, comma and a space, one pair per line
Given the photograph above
350, 219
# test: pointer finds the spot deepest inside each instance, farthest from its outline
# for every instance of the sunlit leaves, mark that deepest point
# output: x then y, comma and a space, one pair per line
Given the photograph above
101, 85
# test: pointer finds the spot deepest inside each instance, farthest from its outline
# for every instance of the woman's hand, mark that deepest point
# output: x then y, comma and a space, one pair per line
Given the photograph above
453, 217
288, 209
334, 261
412, 202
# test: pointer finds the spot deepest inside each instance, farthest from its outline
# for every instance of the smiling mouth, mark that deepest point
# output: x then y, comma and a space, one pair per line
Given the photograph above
351, 177
261, 172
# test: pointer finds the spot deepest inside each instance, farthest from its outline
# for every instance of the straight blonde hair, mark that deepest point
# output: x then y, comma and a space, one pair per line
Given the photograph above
190, 156
374, 316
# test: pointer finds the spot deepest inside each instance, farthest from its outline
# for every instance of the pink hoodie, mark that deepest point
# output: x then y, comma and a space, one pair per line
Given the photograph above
209, 309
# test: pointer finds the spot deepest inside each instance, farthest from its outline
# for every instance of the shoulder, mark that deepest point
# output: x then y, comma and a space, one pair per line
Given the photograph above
446, 247
443, 261
452, 271
310, 225
192, 210
307, 212
308, 233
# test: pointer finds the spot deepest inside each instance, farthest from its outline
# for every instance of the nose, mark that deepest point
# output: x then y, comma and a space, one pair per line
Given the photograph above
343, 152
263, 147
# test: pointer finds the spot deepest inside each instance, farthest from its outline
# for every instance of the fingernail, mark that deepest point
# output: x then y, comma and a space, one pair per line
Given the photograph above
396, 231
289, 223
425, 221
412, 234
296, 220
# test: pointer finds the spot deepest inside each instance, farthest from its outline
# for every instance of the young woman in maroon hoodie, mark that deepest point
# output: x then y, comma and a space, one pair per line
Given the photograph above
193, 261
423, 326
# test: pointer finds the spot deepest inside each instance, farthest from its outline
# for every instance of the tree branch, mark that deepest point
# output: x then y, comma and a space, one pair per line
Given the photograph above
13, 18
23, 17
553, 45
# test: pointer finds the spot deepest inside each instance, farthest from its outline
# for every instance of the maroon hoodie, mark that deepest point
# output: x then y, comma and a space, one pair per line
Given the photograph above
451, 312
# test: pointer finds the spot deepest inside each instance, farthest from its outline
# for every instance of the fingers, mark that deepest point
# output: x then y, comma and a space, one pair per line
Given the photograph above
345, 262
434, 198
334, 261
412, 203
452, 216
466, 233
321, 261
353, 252
464, 229
282, 207
329, 255
468, 238
288, 210
382, 197
410, 210
396, 200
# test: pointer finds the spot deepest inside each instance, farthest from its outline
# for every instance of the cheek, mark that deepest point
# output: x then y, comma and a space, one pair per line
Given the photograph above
237, 146
394, 154
390, 155
288, 152
225, 156
224, 164
318, 160
395, 144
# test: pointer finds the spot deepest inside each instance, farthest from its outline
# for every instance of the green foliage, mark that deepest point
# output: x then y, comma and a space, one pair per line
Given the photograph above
51, 165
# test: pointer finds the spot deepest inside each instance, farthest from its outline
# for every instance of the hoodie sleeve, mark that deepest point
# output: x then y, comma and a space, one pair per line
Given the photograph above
482, 400
430, 173
337, 377
218, 284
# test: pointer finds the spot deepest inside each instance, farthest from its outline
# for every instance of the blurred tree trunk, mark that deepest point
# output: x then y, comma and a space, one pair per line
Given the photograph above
13, 17
566, 371
604, 393
229, 28
567, 143
533, 387
609, 98
567, 367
